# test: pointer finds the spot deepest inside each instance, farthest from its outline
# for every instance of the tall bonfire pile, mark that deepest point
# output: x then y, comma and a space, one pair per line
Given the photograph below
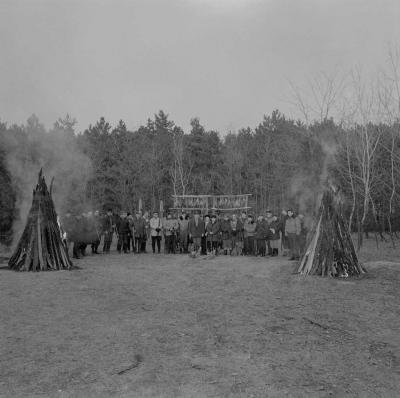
41, 247
330, 250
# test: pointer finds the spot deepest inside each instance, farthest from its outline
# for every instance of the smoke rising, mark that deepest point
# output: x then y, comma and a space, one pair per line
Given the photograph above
306, 188
30, 148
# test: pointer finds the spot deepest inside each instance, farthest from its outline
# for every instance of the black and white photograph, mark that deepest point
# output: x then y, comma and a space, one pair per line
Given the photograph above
199, 198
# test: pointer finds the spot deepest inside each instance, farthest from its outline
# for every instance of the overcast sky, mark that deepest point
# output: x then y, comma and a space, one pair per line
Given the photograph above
224, 61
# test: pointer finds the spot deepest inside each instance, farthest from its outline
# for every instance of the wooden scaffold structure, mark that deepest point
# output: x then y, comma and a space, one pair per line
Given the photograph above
211, 203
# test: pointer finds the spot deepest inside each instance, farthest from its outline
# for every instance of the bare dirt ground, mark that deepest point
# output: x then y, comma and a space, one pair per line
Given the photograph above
171, 326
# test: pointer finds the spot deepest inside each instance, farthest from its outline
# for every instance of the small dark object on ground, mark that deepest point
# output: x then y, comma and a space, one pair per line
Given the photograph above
138, 361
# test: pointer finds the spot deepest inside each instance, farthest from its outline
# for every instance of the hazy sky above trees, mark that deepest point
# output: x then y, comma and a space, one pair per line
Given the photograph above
225, 61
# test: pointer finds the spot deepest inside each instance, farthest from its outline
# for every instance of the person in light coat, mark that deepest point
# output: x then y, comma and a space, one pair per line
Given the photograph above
155, 232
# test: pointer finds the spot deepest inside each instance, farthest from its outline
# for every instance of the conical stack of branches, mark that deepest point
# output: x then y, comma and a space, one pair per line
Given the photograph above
330, 250
40, 247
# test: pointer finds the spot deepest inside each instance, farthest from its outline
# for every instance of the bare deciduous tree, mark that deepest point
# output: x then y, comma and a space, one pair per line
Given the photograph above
181, 169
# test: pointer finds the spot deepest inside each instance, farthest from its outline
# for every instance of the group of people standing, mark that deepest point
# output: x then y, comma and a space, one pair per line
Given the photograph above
244, 235
266, 235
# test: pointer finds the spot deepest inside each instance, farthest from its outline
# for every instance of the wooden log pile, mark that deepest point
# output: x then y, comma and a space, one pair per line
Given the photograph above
330, 250
40, 247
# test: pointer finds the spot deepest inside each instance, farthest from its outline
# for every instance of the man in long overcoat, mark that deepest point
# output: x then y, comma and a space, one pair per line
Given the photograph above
139, 226
196, 230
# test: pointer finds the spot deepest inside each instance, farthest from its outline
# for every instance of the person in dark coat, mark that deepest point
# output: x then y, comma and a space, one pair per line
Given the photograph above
249, 233
87, 232
146, 231
123, 230
98, 227
183, 232
108, 229
93, 231
284, 242
213, 233
275, 228
77, 236
139, 227
196, 230
237, 234
268, 219
131, 235
170, 226
303, 234
261, 233
226, 234
205, 244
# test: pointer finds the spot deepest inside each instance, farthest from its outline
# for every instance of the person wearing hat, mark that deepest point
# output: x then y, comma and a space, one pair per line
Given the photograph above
108, 229
213, 232
205, 244
261, 232
123, 229
243, 217
196, 230
131, 235
183, 233
237, 234
269, 220
249, 227
139, 230
284, 242
292, 232
170, 231
147, 231
226, 234
155, 232
275, 234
